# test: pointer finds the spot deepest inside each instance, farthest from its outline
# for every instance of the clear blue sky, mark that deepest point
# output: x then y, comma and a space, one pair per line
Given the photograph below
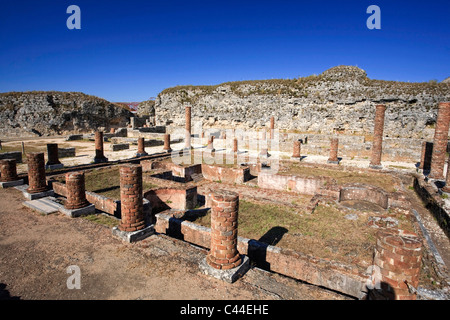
132, 50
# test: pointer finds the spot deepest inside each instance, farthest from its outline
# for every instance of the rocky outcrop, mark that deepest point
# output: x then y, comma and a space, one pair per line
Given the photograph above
46, 113
340, 99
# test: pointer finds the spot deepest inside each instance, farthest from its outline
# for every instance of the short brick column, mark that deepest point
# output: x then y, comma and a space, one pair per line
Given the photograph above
297, 149
334, 151
440, 141
425, 157
8, 170
36, 172
99, 156
76, 191
224, 228
141, 147
52, 154
188, 127
397, 262
132, 210
167, 147
377, 146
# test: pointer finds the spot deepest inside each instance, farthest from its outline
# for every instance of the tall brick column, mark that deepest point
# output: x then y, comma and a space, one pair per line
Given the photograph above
224, 227
141, 147
52, 154
440, 141
167, 147
133, 218
272, 127
188, 127
99, 156
334, 151
76, 191
397, 260
297, 149
425, 157
36, 172
8, 170
377, 146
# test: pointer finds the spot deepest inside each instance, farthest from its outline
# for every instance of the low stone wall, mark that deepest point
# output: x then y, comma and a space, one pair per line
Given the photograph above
185, 172
66, 152
435, 204
228, 175
303, 185
358, 191
168, 198
320, 272
120, 146
17, 155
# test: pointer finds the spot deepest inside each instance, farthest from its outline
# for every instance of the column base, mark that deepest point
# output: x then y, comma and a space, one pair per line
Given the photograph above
100, 160
133, 236
90, 209
54, 166
34, 196
333, 161
8, 184
230, 275
141, 154
378, 167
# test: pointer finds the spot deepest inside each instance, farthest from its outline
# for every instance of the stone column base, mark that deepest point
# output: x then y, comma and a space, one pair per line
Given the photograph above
378, 167
141, 154
34, 196
100, 160
333, 162
230, 275
54, 166
133, 236
90, 209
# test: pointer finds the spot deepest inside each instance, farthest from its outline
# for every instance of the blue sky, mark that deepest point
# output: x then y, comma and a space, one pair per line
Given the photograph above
132, 50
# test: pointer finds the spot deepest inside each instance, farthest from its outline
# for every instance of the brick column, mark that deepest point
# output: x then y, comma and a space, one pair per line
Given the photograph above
8, 170
377, 146
99, 156
397, 259
297, 148
235, 145
36, 172
52, 154
141, 147
334, 151
224, 222
440, 141
76, 191
133, 218
425, 157
188, 127
446, 188
167, 147
272, 127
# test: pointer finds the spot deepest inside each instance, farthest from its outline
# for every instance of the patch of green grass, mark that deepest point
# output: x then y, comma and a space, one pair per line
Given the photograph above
102, 219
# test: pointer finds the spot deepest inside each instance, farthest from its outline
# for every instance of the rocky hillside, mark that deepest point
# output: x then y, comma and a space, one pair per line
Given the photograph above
341, 99
46, 113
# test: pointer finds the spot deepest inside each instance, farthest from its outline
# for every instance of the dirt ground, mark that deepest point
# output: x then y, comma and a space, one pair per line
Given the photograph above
36, 250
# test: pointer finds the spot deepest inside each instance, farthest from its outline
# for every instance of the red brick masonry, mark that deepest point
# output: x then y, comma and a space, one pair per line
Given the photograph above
132, 211
440, 141
334, 150
8, 170
297, 148
378, 135
398, 256
76, 191
36, 172
224, 228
